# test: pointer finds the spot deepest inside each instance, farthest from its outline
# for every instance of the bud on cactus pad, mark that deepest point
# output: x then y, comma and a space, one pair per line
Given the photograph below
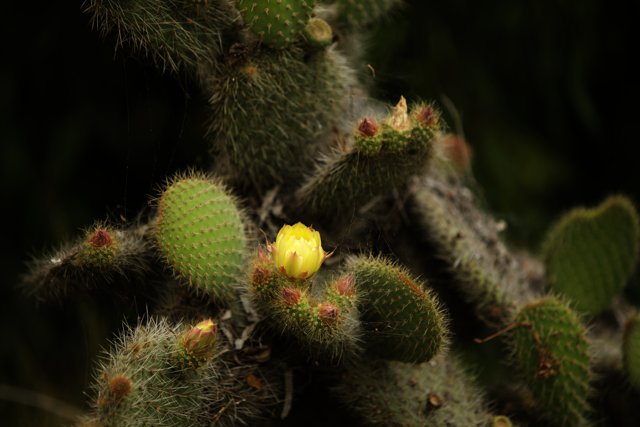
382, 159
590, 254
367, 138
328, 313
200, 233
550, 347
100, 247
631, 350
402, 319
197, 344
343, 290
103, 256
318, 32
277, 23
265, 280
328, 327
119, 387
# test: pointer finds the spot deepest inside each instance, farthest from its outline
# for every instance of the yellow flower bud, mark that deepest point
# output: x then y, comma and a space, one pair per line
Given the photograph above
198, 343
298, 251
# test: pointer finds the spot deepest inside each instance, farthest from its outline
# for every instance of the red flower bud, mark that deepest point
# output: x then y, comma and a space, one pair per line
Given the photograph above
368, 127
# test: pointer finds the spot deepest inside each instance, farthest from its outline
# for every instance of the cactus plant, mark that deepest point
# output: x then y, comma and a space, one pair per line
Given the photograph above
590, 254
200, 233
378, 323
549, 344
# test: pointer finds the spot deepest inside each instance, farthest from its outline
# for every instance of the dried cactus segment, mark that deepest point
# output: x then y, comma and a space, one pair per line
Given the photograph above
200, 233
631, 350
468, 240
402, 319
551, 350
102, 256
396, 394
277, 23
590, 254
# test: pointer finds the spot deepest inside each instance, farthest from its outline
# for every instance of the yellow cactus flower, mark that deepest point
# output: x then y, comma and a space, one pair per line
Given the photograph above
298, 251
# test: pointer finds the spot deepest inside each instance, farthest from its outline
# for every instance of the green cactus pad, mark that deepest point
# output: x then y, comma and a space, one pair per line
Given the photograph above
326, 324
101, 247
269, 110
631, 350
143, 383
277, 23
382, 159
200, 233
402, 320
591, 253
396, 394
104, 256
551, 350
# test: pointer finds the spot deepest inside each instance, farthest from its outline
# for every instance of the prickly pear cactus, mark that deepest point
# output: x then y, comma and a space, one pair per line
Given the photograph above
590, 254
374, 264
403, 319
550, 347
200, 233
277, 23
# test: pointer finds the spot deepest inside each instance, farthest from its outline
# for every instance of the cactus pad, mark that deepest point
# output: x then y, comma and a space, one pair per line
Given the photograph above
143, 383
200, 233
385, 153
403, 320
396, 394
591, 253
551, 350
278, 23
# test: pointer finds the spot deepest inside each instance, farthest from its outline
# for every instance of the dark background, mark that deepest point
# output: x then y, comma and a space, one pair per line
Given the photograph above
546, 91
